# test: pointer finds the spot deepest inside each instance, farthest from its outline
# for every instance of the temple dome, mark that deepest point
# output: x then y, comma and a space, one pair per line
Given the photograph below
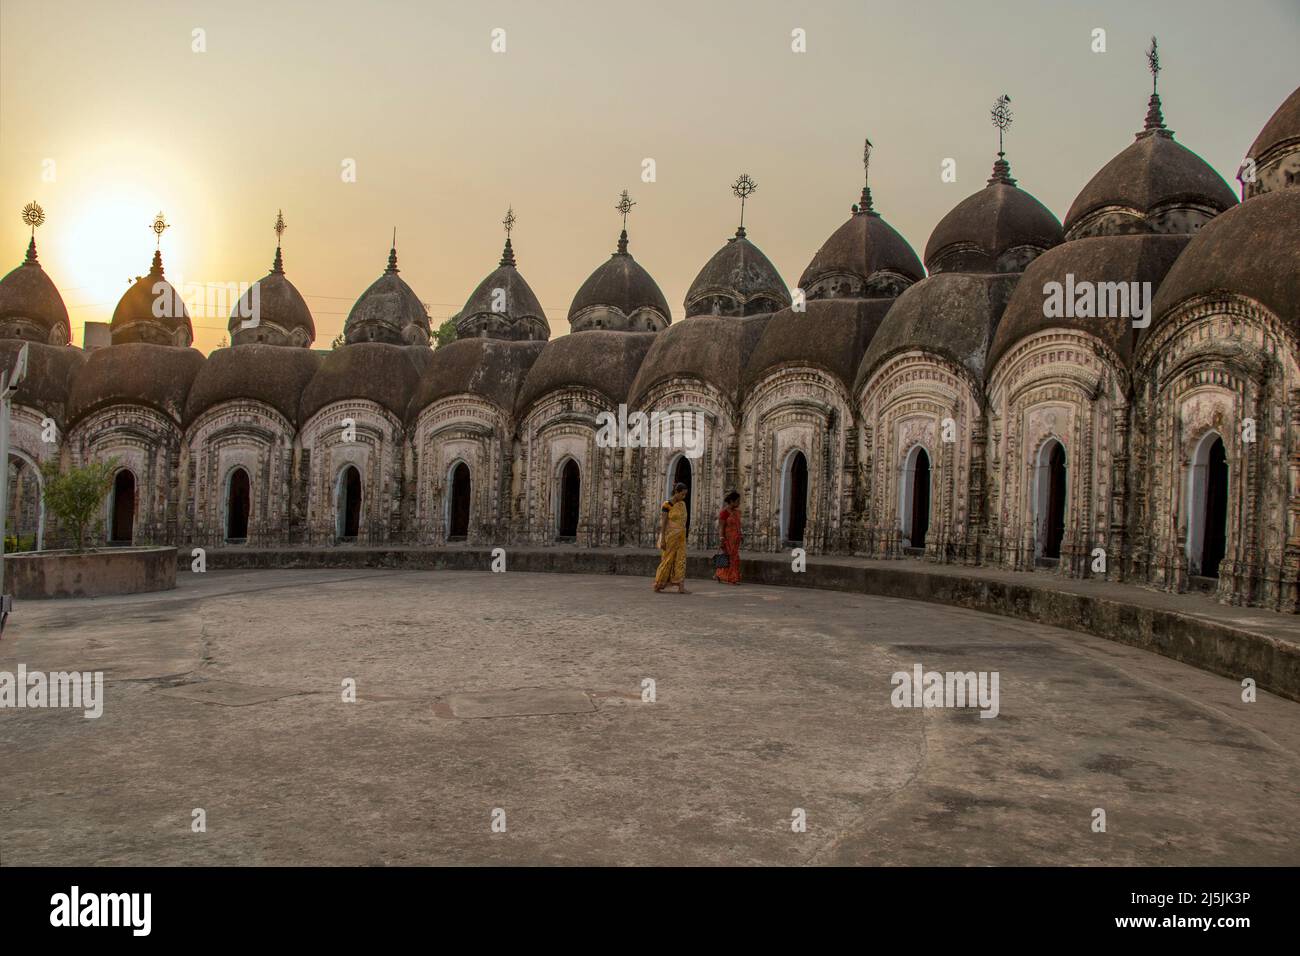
388, 311
864, 258
1096, 260
620, 296
372, 371
1250, 252
951, 314
1276, 150
489, 368
699, 348
503, 307
31, 307
258, 372
135, 373
831, 335
1001, 228
50, 373
282, 314
738, 280
1155, 185
152, 311
604, 361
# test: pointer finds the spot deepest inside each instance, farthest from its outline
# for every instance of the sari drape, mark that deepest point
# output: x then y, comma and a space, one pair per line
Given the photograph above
672, 561
731, 545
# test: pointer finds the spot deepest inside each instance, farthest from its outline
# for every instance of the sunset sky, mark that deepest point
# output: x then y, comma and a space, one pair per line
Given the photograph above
447, 133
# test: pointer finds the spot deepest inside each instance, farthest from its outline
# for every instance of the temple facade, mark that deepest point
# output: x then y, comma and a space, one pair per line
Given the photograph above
1115, 395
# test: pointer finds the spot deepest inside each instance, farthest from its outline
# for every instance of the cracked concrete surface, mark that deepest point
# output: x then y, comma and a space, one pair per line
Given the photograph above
227, 694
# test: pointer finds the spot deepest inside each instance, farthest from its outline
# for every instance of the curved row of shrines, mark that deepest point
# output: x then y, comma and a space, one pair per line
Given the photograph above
932, 410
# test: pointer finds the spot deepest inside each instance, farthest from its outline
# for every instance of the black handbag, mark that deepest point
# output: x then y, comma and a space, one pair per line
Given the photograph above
720, 560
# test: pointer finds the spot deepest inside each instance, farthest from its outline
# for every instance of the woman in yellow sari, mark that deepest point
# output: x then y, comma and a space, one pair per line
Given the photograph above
672, 543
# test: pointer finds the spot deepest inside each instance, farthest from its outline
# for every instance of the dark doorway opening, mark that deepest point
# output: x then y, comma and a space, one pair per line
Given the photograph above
920, 499
458, 519
1054, 532
349, 506
797, 498
682, 476
1216, 510
238, 499
122, 528
570, 499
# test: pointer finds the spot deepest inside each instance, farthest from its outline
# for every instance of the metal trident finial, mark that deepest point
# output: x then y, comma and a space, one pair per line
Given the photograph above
624, 206
33, 215
866, 163
743, 188
159, 224
1001, 114
1153, 62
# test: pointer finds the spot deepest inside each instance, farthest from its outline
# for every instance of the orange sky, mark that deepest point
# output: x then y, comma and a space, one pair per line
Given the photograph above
446, 133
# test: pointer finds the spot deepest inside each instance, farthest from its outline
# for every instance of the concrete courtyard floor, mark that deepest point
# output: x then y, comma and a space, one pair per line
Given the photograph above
523, 692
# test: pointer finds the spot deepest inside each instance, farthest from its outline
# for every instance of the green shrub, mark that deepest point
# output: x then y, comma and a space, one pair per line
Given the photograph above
76, 495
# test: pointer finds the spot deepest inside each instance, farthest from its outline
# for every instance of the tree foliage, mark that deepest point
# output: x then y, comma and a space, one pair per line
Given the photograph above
76, 495
446, 333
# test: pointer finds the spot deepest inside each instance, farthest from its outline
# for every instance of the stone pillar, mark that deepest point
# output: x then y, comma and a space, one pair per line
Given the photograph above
870, 521
1289, 598
1115, 543
977, 509
850, 518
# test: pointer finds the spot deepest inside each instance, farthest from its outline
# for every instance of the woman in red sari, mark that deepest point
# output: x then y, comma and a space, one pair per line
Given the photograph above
729, 534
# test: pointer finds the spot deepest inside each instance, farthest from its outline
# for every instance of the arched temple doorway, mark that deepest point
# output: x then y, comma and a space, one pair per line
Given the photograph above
794, 498
347, 521
680, 472
569, 499
121, 510
25, 509
238, 505
1050, 497
458, 502
914, 502
1207, 526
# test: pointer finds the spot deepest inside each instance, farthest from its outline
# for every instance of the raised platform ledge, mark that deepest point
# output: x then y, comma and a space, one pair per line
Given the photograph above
1191, 628
100, 572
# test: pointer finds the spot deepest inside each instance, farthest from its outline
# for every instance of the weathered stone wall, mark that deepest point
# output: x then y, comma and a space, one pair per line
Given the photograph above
67, 574
1131, 434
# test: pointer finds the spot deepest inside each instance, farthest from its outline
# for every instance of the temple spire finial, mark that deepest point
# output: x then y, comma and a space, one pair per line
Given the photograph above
624, 206
863, 205
277, 267
508, 254
159, 225
33, 216
1001, 114
1155, 118
392, 255
743, 188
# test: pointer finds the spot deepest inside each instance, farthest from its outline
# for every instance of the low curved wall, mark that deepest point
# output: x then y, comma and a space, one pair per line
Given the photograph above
70, 574
1127, 615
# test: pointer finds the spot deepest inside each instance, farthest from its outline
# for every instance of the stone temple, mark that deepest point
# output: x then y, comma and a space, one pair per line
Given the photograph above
895, 408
